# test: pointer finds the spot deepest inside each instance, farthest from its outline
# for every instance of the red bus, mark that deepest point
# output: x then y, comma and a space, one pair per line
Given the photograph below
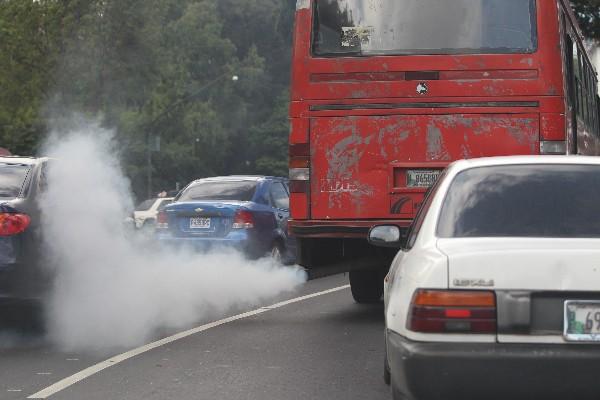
386, 93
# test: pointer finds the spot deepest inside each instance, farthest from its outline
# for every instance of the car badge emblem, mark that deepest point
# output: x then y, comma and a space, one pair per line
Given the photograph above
474, 283
199, 210
422, 88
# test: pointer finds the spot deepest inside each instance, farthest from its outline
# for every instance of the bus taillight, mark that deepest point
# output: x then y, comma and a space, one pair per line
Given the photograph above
299, 179
553, 127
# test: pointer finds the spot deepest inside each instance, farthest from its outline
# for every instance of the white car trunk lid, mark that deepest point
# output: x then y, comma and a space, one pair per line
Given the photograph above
532, 279
523, 264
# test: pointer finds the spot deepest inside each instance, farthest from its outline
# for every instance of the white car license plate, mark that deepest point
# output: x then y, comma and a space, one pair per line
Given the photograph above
199, 223
419, 178
582, 321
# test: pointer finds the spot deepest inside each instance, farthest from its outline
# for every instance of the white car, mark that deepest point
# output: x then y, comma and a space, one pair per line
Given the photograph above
145, 213
496, 293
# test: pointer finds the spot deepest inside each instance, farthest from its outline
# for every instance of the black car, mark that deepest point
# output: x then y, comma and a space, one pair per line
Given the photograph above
249, 213
21, 182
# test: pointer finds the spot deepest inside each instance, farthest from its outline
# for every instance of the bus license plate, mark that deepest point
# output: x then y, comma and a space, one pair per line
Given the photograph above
582, 321
421, 178
199, 223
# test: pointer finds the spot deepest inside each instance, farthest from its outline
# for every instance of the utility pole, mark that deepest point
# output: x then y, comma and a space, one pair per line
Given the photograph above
152, 125
149, 165
152, 144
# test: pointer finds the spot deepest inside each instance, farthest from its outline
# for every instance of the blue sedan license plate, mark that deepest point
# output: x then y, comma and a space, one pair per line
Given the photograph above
582, 321
199, 223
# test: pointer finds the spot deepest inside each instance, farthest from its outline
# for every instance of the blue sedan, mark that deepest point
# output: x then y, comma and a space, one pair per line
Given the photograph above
249, 213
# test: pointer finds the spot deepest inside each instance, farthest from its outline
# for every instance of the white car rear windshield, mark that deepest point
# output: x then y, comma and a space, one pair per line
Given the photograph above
523, 201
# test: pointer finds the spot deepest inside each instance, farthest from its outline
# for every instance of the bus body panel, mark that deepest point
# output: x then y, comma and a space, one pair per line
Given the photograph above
364, 121
360, 164
542, 70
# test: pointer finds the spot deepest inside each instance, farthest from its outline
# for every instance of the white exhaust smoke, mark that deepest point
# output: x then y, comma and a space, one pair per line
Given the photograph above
111, 292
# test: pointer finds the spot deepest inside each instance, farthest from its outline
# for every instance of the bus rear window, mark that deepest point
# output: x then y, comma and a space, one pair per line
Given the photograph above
403, 27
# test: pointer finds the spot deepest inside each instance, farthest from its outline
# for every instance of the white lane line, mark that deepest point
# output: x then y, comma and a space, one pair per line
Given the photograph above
94, 369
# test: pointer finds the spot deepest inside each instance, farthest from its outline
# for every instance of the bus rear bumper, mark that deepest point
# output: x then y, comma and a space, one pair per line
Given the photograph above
340, 229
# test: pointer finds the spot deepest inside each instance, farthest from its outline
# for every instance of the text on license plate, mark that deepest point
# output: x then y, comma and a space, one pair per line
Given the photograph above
582, 320
421, 177
199, 223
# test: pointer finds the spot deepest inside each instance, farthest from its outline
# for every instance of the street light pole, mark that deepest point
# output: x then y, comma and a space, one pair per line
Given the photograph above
150, 127
149, 165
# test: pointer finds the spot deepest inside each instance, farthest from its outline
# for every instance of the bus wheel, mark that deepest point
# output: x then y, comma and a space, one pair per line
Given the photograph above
366, 286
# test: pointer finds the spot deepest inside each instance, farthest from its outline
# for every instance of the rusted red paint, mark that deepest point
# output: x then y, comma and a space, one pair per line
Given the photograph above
306, 67
351, 156
366, 122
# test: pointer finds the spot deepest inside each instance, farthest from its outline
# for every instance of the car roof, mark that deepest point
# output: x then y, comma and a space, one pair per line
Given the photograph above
530, 160
236, 178
22, 160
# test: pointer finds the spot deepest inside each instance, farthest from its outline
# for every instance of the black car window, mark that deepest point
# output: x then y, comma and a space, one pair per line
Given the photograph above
43, 179
12, 178
219, 190
279, 196
523, 201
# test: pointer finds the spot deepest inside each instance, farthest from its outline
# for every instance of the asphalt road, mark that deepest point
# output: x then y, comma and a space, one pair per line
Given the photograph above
325, 347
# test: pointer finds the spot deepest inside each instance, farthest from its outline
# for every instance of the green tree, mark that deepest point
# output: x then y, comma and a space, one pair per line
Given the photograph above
28, 51
588, 14
270, 140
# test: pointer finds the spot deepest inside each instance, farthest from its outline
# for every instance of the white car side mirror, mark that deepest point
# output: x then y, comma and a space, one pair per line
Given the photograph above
386, 236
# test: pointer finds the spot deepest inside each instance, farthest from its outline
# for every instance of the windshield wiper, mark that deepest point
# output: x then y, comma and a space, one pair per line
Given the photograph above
341, 53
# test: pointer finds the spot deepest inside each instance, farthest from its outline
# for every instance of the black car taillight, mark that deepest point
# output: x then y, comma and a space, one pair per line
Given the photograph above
448, 311
13, 224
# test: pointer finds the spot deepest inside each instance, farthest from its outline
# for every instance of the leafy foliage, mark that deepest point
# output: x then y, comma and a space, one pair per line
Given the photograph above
160, 69
588, 14
152, 69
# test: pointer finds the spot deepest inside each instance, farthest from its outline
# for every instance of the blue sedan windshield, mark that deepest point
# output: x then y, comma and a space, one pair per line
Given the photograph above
224, 190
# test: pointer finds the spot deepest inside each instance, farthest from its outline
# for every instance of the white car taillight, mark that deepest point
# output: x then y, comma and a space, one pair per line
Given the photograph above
447, 311
162, 220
